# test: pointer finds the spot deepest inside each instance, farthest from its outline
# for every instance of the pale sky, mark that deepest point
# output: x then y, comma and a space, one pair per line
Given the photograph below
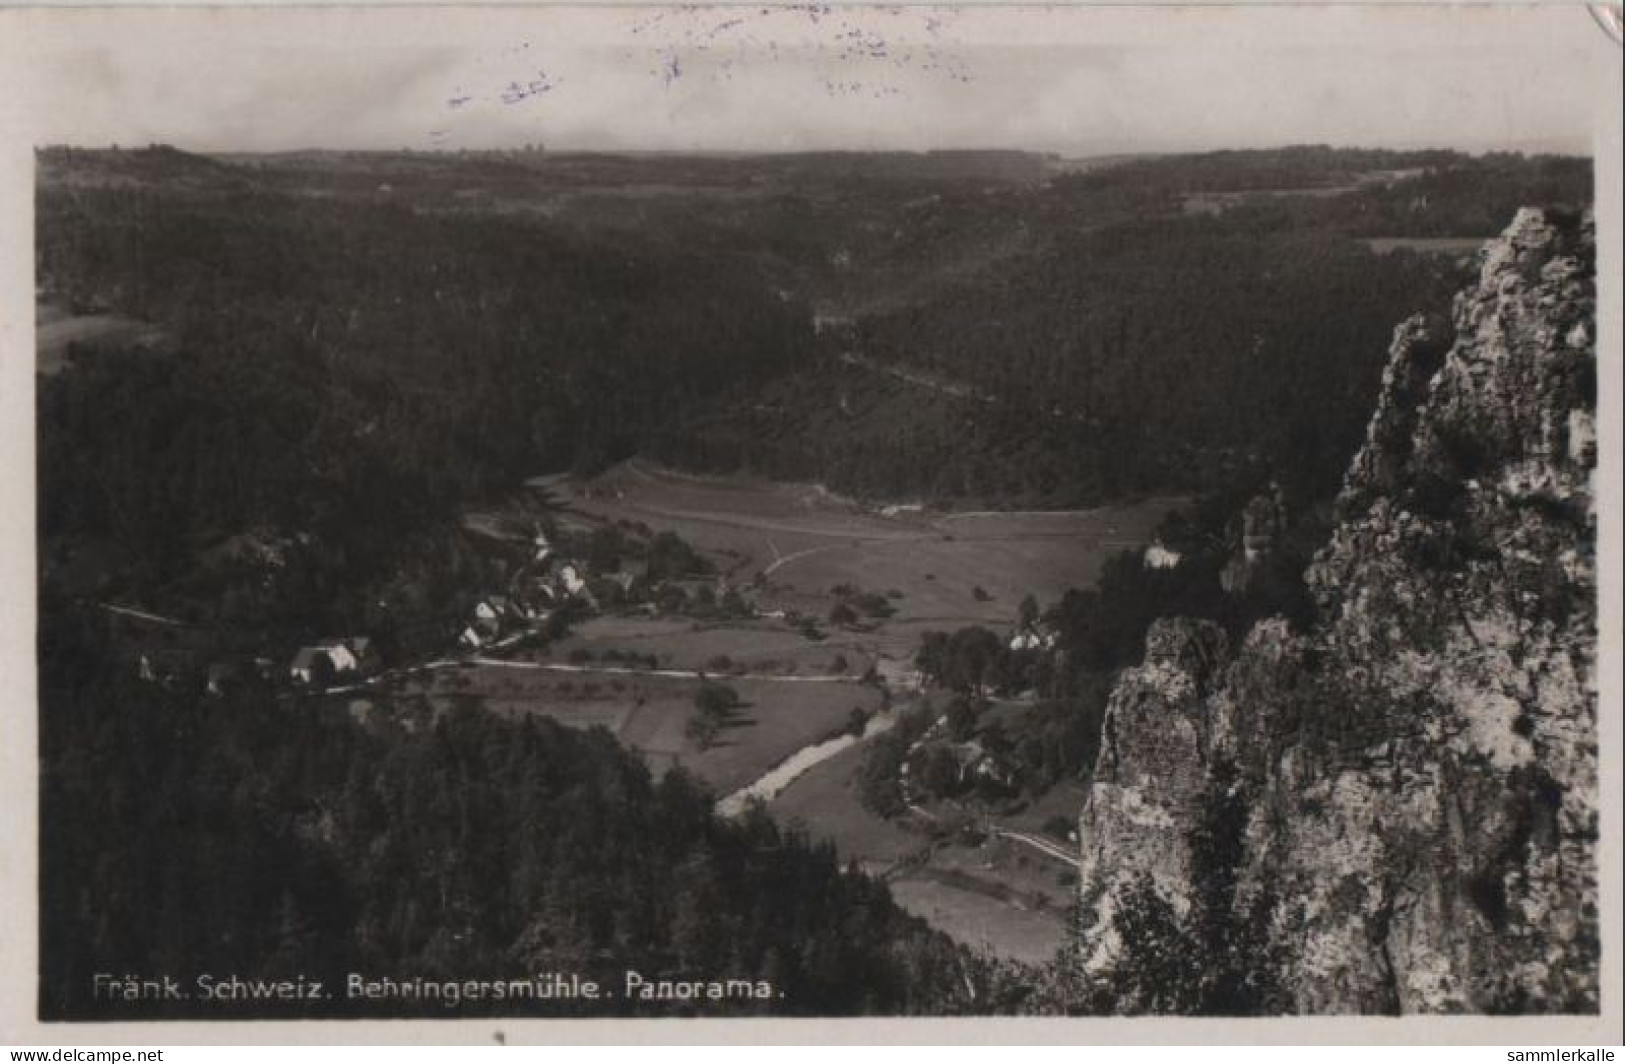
1075, 80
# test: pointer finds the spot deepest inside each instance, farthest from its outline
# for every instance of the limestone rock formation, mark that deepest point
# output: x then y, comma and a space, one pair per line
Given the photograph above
1260, 526
1416, 773
1150, 775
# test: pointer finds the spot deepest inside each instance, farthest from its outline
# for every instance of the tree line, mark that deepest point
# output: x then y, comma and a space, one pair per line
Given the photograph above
185, 834
347, 375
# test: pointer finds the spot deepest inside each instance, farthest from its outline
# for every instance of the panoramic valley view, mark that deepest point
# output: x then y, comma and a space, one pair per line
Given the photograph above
728, 579
799, 512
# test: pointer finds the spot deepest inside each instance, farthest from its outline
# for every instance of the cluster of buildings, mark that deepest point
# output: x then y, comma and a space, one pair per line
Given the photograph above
1039, 635
545, 584
494, 616
170, 652
332, 660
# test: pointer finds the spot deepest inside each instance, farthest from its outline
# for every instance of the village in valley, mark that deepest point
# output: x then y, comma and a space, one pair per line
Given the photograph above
814, 597
777, 641
803, 499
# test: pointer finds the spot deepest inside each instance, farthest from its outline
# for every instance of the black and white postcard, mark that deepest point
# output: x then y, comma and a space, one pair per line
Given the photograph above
761, 513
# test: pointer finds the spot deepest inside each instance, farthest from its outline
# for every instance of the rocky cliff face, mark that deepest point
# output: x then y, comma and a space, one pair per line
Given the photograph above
1409, 787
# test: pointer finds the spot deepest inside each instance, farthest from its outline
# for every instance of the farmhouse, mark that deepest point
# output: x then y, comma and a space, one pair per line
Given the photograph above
495, 614
563, 580
329, 660
480, 632
495, 608
1159, 557
571, 580
975, 762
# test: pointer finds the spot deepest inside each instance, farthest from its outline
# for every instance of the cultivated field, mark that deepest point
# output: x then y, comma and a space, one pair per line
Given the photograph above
650, 713
796, 543
1002, 927
722, 648
825, 803
995, 894
787, 548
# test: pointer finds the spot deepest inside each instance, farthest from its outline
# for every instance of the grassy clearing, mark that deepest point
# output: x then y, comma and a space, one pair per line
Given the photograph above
998, 928
1431, 245
802, 543
1000, 896
938, 577
776, 720
55, 329
752, 646
825, 803
1031, 880
577, 700
795, 546
650, 714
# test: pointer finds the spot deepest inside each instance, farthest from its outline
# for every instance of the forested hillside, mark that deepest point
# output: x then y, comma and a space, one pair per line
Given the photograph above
1115, 341
271, 839
409, 342
347, 375
1140, 358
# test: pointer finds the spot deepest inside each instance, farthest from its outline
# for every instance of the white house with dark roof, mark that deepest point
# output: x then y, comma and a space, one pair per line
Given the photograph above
334, 657
1159, 557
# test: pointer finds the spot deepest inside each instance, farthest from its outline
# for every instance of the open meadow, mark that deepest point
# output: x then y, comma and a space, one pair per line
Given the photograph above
806, 673
796, 544
798, 551
992, 893
723, 648
650, 713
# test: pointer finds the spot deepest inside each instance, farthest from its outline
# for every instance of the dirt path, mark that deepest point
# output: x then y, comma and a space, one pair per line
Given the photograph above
442, 664
1043, 846
916, 378
762, 524
678, 674
143, 615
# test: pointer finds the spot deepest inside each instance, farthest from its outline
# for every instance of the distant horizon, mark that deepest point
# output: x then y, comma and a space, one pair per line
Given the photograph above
540, 148
1079, 82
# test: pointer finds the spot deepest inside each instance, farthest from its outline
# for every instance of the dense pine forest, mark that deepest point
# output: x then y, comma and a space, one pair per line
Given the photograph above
192, 836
